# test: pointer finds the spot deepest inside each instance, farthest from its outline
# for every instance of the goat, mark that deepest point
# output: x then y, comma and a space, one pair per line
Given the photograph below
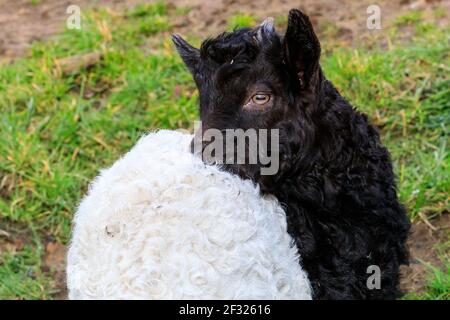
335, 178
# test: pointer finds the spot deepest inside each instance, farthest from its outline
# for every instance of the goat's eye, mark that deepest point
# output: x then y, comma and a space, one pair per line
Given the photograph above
261, 98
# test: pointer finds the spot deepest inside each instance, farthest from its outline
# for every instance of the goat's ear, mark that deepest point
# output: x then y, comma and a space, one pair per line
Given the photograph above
188, 53
301, 47
266, 29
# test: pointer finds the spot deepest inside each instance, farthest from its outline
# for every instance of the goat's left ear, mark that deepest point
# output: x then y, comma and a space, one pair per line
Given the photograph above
188, 53
301, 47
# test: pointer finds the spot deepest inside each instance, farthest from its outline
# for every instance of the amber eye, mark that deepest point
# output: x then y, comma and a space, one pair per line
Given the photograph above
261, 98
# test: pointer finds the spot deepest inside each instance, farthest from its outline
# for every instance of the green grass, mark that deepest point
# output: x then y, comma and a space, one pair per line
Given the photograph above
241, 21
440, 12
21, 276
438, 285
57, 130
414, 16
407, 93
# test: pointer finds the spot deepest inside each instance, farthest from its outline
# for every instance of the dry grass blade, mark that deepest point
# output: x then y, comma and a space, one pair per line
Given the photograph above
78, 62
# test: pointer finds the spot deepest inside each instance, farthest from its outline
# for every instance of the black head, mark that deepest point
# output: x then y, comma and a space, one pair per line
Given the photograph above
255, 78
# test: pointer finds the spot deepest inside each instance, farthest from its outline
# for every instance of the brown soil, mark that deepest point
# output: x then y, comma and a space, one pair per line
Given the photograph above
23, 22
423, 246
14, 237
55, 263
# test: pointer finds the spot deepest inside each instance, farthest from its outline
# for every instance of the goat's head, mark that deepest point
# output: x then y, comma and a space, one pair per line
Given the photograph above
255, 78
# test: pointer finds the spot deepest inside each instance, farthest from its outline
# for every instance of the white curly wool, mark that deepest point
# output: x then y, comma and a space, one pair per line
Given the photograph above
160, 224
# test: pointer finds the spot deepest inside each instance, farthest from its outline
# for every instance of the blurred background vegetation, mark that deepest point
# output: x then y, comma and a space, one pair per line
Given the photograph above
73, 101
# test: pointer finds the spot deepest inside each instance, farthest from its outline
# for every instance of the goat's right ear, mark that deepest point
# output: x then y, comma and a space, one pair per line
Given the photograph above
301, 47
188, 53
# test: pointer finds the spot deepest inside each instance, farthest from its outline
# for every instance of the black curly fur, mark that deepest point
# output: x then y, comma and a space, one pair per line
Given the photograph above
335, 179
